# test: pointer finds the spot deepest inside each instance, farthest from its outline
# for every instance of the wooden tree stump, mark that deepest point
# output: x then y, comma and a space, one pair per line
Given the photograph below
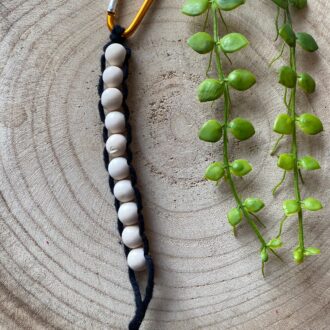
61, 262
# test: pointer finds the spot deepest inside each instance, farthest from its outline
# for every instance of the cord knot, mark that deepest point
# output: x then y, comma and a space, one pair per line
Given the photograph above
117, 34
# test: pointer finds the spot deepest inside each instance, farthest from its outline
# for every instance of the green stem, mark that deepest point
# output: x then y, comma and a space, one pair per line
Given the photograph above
275, 254
258, 220
227, 105
276, 58
279, 184
206, 20
223, 20
276, 23
281, 226
301, 177
294, 146
209, 64
273, 152
286, 101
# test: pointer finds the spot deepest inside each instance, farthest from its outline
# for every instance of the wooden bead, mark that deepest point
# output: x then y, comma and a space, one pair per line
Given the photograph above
118, 168
128, 213
131, 237
115, 122
115, 54
116, 145
136, 260
123, 191
113, 76
111, 99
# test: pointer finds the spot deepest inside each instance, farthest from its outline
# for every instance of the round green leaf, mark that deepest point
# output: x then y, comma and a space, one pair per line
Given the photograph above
229, 4
306, 82
298, 255
215, 171
283, 124
298, 3
210, 90
240, 167
233, 42
288, 35
312, 204
281, 3
311, 251
286, 162
291, 207
241, 128
235, 216
307, 42
195, 7
241, 79
201, 42
211, 131
275, 243
310, 124
309, 163
253, 204
287, 77
264, 254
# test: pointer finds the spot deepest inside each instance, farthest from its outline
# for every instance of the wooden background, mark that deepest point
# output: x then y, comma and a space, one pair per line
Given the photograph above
61, 264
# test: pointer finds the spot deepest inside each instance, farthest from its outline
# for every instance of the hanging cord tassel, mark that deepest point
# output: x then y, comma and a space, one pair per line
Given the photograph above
140, 303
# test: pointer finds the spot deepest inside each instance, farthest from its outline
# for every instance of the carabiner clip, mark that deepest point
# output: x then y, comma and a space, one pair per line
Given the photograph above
135, 22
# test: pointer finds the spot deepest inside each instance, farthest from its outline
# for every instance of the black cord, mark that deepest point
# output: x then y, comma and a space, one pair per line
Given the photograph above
140, 303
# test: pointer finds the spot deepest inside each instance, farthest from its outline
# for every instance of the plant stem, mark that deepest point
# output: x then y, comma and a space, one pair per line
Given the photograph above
294, 146
257, 218
227, 106
279, 184
277, 143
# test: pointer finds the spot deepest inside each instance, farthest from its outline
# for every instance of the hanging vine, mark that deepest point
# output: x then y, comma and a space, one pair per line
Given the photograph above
290, 122
219, 87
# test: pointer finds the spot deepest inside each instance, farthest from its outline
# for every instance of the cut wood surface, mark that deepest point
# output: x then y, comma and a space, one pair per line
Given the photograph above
61, 262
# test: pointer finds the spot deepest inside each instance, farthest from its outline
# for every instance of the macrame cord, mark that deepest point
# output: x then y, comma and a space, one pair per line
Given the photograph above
140, 302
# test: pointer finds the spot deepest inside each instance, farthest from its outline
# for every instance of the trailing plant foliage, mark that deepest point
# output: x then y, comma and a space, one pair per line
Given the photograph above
214, 88
290, 122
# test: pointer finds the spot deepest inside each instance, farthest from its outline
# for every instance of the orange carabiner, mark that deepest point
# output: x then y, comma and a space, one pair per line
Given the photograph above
135, 22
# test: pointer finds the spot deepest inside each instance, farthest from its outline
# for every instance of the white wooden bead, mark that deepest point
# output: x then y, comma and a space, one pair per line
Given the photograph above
123, 191
116, 145
131, 237
113, 76
111, 99
118, 168
115, 122
128, 213
136, 260
115, 54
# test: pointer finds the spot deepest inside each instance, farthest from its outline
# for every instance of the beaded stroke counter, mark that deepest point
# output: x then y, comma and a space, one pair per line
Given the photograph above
62, 264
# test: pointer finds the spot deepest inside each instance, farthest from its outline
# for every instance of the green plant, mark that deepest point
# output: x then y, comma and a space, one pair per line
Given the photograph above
290, 123
212, 89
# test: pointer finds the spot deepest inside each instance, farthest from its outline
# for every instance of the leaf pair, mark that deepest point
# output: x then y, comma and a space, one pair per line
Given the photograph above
273, 244
198, 7
291, 207
251, 205
212, 89
216, 171
296, 3
307, 122
305, 40
288, 78
299, 253
241, 129
308, 163
203, 43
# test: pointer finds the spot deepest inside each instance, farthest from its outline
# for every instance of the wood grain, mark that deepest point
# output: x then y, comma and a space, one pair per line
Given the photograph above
61, 263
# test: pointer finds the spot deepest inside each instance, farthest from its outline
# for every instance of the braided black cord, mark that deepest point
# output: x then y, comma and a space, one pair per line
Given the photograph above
140, 303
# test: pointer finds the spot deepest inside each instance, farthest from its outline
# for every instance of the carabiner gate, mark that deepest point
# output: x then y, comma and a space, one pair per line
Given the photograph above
135, 22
